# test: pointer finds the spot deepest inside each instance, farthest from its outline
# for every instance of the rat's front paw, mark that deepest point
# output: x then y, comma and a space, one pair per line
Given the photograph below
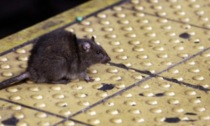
89, 79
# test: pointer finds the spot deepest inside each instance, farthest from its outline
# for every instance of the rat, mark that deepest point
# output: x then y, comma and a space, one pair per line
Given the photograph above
59, 57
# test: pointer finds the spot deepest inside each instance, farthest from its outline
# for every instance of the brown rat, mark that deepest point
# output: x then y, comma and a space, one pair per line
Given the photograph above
59, 57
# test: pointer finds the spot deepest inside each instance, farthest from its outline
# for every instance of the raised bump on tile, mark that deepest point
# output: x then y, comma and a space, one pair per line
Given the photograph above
83, 103
41, 115
116, 120
94, 121
3, 59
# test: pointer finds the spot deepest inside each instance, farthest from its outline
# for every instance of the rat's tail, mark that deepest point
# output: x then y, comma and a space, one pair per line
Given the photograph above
13, 80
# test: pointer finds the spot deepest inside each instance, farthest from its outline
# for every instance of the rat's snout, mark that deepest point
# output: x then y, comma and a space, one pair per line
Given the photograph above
106, 59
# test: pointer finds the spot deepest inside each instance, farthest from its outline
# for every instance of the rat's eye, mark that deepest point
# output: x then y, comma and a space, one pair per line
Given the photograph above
98, 52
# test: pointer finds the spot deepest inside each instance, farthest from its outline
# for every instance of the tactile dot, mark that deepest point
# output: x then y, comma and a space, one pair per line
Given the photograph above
40, 105
138, 49
162, 20
130, 103
195, 100
15, 98
113, 111
159, 119
94, 121
145, 86
200, 109
134, 111
134, 1
116, 77
91, 112
138, 7
120, 85
159, 48
22, 124
101, 15
85, 22
146, 27
178, 109
112, 70
21, 51
131, 35
118, 49
58, 96
83, 103
122, 57
190, 92
163, 55
111, 36
88, 29
138, 120
167, 27
165, 85
120, 15
170, 93
69, 123
151, 34
148, 94
65, 113
123, 21
156, 110
142, 56
41, 115
198, 78
77, 87
34, 89
167, 63
127, 94
56, 88
183, 55
134, 42
16, 107
12, 89
105, 22
174, 71
79, 95
204, 117
7, 74
146, 63
37, 96
137, 76
61, 104
161, 13
5, 66
157, 7
116, 120
151, 102
108, 29
42, 123
19, 115
127, 28
23, 58
3, 59
173, 101
194, 70
117, 8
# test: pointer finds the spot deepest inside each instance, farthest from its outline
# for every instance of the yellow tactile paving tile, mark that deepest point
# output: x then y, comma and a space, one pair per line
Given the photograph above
155, 102
158, 75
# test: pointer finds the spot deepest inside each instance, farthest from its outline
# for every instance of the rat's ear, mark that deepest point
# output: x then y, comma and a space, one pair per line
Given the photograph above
93, 38
86, 46
74, 37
